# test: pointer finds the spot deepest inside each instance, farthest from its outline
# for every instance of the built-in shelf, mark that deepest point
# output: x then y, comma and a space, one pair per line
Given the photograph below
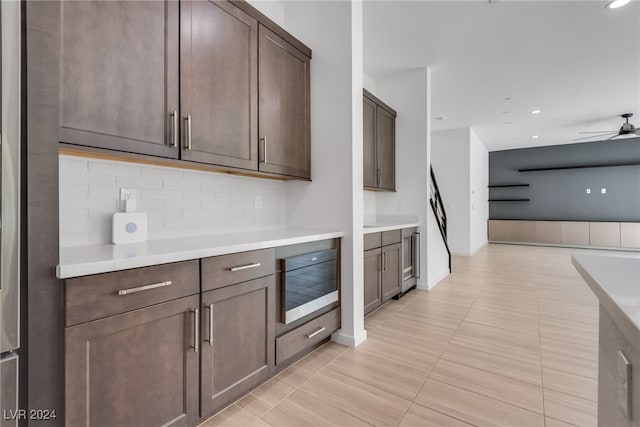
508, 185
601, 165
508, 200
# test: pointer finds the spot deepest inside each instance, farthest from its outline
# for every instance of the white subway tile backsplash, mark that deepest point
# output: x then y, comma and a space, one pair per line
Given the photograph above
178, 202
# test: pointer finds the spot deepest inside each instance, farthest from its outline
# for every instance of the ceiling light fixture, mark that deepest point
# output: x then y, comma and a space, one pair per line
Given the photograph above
614, 4
536, 112
535, 137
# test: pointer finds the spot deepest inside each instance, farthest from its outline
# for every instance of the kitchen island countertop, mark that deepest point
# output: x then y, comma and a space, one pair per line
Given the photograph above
615, 280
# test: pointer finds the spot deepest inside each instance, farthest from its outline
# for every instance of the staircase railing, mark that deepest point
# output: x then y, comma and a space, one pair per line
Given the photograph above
435, 200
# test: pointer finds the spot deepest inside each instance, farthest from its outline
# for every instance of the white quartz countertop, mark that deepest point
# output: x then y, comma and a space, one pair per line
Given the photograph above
615, 280
388, 225
86, 260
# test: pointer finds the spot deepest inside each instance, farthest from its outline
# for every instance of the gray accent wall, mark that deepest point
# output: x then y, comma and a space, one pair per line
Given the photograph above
561, 194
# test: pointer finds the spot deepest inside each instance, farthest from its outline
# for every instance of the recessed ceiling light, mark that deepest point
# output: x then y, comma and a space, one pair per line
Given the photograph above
508, 98
441, 118
536, 112
506, 112
535, 137
507, 123
614, 4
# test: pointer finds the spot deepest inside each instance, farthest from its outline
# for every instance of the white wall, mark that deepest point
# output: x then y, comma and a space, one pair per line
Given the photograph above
409, 94
272, 8
461, 164
335, 197
368, 83
479, 174
178, 202
450, 160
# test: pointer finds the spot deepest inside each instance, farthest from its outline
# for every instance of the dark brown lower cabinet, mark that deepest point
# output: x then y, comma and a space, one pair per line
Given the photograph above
391, 263
238, 324
134, 369
372, 280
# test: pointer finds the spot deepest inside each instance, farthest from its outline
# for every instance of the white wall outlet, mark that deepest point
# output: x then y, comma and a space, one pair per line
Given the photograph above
588, 191
603, 190
127, 194
624, 384
257, 201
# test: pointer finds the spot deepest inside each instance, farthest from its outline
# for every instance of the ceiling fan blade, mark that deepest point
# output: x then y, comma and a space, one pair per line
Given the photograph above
602, 131
590, 137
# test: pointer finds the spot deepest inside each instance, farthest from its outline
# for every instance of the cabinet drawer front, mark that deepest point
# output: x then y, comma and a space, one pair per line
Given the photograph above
307, 335
391, 237
372, 241
226, 270
101, 295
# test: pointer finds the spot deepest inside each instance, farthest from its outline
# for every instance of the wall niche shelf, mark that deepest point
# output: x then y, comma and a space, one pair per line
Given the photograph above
602, 165
508, 185
508, 200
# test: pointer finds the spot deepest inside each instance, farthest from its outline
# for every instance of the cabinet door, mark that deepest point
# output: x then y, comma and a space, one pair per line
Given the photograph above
391, 271
372, 279
369, 143
119, 75
284, 107
238, 323
386, 144
135, 369
218, 81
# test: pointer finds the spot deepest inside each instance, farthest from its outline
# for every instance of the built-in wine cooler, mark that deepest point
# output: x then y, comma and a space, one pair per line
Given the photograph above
310, 282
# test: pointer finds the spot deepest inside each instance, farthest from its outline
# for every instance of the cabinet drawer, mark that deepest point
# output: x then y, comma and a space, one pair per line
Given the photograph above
225, 270
101, 295
391, 237
372, 241
307, 335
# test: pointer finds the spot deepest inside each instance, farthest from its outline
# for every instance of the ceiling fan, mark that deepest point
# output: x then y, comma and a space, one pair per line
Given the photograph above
626, 129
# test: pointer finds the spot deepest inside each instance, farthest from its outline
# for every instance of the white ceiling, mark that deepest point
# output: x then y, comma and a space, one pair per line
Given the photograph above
575, 60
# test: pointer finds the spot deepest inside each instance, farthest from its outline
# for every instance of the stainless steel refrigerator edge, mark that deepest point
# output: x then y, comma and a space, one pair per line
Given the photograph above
9, 213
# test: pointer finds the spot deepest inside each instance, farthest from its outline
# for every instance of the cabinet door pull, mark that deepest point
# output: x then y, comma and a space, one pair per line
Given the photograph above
144, 288
196, 330
188, 139
210, 306
384, 261
174, 130
245, 267
264, 149
416, 253
319, 331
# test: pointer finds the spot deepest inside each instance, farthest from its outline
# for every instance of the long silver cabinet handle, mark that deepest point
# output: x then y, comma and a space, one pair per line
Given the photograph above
210, 306
245, 267
416, 265
319, 331
144, 288
174, 124
264, 149
196, 330
188, 142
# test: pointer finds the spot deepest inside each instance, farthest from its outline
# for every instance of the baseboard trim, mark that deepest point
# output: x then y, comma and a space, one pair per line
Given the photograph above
349, 340
435, 282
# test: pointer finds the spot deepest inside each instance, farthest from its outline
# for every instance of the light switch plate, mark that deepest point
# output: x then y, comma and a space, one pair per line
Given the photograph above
624, 384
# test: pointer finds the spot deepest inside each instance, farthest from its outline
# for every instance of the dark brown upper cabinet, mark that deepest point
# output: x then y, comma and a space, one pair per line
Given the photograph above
284, 107
119, 75
213, 82
379, 144
219, 84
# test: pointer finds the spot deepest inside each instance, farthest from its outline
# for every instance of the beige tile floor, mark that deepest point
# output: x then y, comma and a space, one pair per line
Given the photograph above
510, 339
